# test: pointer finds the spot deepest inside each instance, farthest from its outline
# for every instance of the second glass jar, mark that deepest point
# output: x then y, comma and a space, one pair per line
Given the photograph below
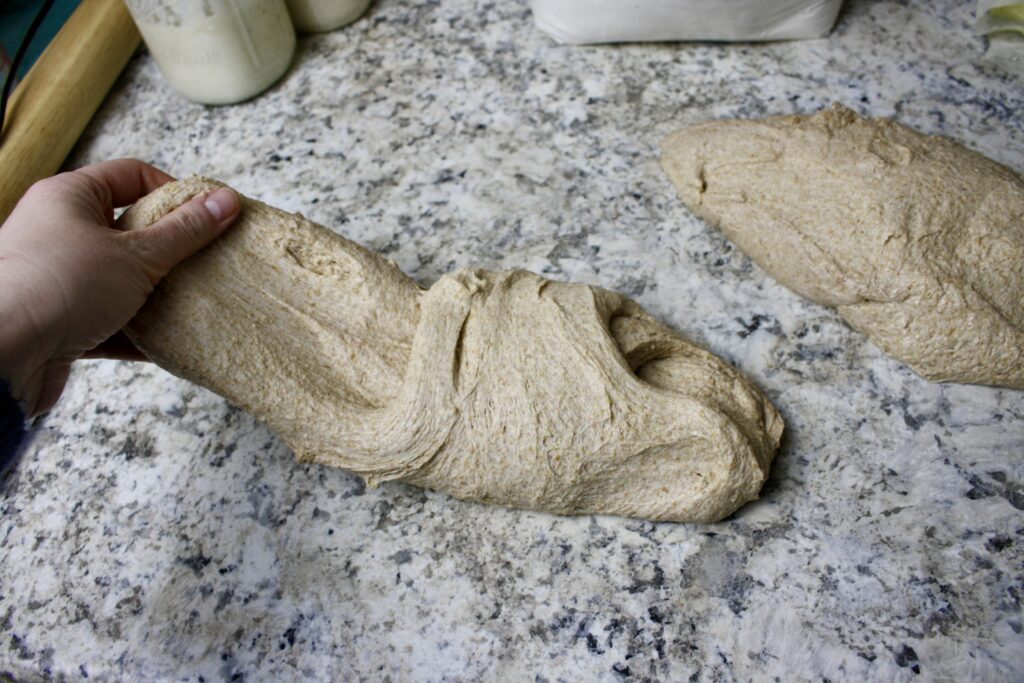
217, 51
311, 16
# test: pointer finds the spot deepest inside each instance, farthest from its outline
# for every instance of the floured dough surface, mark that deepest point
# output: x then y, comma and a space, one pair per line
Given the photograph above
498, 387
916, 240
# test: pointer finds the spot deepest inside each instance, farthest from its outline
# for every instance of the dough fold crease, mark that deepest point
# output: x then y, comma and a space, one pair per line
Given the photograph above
496, 387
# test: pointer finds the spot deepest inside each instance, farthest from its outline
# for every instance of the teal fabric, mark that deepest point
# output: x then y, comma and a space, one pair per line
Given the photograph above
15, 17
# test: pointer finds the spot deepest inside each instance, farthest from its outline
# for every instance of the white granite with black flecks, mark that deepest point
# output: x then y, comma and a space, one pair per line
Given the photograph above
153, 532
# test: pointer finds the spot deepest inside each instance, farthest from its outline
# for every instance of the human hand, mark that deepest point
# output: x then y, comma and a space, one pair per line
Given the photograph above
70, 278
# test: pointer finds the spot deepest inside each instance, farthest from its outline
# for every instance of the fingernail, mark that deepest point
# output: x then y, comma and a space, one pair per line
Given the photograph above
222, 203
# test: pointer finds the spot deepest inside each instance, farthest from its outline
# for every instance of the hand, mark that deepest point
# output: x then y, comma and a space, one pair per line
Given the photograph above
70, 279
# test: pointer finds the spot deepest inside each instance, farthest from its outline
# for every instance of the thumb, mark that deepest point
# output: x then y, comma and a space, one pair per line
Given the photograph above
186, 230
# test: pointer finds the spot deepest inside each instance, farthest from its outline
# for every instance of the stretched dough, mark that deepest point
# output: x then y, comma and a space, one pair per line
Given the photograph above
916, 240
498, 387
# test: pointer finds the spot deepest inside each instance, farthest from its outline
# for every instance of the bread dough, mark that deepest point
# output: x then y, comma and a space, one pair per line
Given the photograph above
498, 387
916, 240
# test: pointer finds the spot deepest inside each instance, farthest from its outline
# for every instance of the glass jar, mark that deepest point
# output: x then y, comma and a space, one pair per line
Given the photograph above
217, 51
311, 16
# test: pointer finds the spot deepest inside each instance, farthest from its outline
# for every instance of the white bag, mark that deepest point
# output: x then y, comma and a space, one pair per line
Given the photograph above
621, 21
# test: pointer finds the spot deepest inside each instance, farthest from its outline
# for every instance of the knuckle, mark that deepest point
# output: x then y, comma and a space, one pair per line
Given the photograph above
68, 184
143, 253
191, 222
48, 186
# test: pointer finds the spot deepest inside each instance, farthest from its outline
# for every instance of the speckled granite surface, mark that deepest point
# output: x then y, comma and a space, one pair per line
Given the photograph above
153, 532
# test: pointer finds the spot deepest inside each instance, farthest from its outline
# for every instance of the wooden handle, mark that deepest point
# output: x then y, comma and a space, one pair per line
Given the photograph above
61, 92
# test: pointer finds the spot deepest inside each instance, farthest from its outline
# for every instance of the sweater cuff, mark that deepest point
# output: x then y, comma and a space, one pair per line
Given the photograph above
12, 426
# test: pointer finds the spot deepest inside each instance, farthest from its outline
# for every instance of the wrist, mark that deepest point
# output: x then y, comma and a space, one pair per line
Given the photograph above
24, 351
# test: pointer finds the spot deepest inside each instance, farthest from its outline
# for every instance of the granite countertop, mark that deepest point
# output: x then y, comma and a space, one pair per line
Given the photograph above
154, 532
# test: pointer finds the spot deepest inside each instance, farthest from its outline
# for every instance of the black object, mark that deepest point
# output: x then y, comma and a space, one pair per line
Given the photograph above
19, 57
12, 428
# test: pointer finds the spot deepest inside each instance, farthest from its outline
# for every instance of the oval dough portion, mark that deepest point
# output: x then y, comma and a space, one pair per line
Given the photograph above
916, 240
497, 387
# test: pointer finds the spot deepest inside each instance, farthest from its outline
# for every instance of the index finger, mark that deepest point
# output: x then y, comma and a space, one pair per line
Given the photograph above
122, 181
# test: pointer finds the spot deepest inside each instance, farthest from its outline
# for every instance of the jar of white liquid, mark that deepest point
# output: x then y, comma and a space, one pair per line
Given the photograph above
311, 16
217, 51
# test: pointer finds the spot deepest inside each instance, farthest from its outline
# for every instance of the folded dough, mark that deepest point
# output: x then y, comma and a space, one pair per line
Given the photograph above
498, 387
916, 240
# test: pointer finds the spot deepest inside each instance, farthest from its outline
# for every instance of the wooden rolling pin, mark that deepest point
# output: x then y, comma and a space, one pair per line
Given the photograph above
52, 105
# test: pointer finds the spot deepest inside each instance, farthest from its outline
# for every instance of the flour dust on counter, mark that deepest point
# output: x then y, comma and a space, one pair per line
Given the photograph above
154, 532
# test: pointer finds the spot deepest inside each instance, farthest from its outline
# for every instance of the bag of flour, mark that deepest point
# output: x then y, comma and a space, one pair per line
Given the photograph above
1000, 15
1002, 23
622, 21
